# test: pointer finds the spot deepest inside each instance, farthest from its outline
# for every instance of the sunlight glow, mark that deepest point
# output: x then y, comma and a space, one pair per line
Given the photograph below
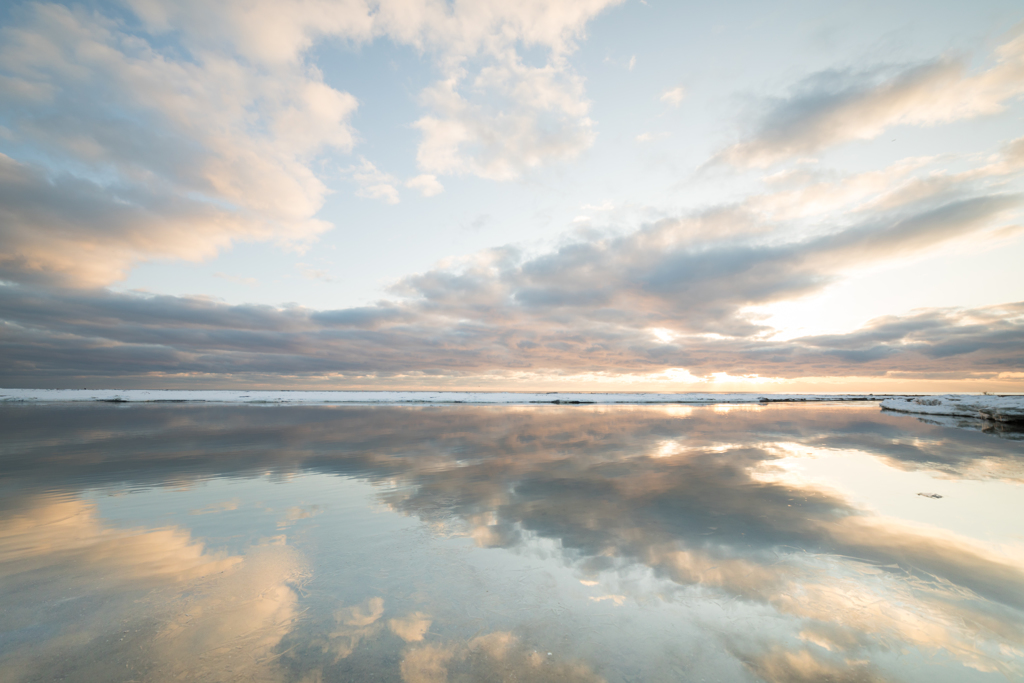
664, 335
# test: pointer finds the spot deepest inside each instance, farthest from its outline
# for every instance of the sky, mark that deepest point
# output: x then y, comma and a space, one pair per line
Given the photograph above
585, 194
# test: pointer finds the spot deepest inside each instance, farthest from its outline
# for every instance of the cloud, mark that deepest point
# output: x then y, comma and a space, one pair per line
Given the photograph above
50, 532
196, 128
427, 184
703, 523
583, 309
796, 193
353, 625
215, 508
360, 615
296, 513
412, 627
747, 537
802, 666
494, 654
673, 96
240, 619
374, 183
832, 107
528, 116
142, 155
672, 275
129, 340
171, 602
586, 307
74, 231
266, 32
490, 114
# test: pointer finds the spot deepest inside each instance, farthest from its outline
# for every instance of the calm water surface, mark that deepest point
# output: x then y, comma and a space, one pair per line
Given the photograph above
783, 543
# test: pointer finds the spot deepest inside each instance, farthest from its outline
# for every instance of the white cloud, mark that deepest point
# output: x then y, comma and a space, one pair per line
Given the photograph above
269, 32
275, 32
519, 117
426, 183
799, 194
490, 114
673, 96
172, 156
632, 62
374, 183
185, 143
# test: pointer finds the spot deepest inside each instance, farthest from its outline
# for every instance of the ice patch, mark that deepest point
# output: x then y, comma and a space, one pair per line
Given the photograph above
994, 408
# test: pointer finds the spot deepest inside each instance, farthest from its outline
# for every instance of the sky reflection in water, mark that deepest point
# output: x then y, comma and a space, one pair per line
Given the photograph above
422, 544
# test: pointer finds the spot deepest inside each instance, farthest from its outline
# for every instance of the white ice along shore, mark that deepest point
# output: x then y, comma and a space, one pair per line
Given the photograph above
324, 397
993, 408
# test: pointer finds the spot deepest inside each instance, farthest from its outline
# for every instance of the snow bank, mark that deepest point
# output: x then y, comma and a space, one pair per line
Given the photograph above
324, 397
1004, 430
996, 408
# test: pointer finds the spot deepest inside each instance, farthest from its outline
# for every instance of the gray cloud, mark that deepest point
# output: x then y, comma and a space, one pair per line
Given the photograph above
71, 230
589, 306
53, 338
671, 275
835, 106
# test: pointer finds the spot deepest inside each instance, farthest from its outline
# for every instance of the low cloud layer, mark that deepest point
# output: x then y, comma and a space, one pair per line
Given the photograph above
678, 295
50, 337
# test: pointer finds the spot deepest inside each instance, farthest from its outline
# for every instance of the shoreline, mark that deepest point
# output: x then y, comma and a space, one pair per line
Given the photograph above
1007, 409
1004, 409
414, 397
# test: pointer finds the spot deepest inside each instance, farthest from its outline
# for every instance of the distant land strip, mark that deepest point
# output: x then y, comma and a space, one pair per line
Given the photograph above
473, 397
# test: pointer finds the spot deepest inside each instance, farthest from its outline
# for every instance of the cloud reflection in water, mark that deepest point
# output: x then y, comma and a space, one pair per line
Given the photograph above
612, 492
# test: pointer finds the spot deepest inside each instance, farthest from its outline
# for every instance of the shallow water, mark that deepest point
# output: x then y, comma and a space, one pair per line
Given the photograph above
527, 543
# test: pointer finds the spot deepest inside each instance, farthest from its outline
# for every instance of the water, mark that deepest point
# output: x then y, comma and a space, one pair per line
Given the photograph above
506, 543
